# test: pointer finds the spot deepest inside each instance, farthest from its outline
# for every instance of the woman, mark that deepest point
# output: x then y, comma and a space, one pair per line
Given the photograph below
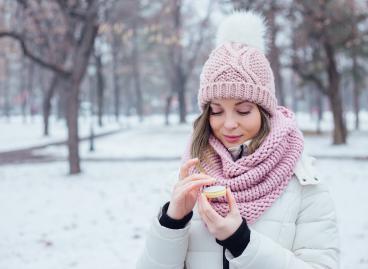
276, 213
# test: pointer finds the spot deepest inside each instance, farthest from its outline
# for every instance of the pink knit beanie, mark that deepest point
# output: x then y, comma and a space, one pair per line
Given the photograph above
238, 68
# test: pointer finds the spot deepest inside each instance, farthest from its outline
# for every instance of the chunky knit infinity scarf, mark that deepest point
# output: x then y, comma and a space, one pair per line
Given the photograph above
258, 179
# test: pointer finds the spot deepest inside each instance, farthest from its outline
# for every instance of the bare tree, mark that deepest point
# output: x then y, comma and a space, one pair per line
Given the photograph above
181, 58
100, 88
78, 28
323, 29
357, 48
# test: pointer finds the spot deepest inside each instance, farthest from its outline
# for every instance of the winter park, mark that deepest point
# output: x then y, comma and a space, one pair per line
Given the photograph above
104, 105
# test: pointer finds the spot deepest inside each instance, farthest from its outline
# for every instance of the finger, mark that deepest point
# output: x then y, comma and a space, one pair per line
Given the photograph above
206, 220
231, 200
208, 209
195, 184
199, 203
196, 177
201, 212
184, 169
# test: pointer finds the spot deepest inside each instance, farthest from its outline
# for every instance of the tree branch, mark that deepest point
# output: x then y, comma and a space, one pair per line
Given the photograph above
27, 53
23, 3
72, 12
309, 77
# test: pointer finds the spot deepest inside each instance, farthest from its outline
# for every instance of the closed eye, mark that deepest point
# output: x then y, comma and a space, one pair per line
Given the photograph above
214, 112
244, 113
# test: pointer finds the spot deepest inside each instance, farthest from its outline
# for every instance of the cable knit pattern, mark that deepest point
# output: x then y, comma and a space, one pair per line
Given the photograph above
235, 70
257, 180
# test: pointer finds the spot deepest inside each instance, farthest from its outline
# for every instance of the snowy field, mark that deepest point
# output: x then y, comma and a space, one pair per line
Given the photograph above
98, 219
17, 134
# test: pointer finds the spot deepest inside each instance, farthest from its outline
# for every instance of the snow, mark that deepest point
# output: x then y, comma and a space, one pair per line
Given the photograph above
95, 220
309, 122
17, 133
98, 219
348, 185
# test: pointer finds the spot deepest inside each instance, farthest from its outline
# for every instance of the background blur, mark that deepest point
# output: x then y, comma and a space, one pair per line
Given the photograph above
97, 99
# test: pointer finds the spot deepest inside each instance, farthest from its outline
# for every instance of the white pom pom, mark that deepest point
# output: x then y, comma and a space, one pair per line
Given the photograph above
245, 27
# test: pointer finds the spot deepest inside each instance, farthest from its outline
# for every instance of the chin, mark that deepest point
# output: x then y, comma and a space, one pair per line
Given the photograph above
229, 145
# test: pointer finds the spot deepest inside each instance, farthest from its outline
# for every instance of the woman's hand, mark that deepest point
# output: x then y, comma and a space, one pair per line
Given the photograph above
220, 227
185, 192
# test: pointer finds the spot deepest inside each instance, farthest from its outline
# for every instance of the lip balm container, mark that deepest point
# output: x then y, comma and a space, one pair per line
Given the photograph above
214, 191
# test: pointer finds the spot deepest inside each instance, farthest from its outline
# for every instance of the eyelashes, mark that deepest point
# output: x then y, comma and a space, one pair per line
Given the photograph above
244, 113
240, 112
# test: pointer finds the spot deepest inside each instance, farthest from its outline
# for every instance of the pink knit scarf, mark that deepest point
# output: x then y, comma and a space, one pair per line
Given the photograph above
257, 180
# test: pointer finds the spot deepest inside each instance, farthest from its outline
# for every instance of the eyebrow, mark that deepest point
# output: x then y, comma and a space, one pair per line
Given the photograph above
238, 103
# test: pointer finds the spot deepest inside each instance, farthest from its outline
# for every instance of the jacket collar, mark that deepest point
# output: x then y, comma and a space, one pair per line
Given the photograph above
305, 171
237, 152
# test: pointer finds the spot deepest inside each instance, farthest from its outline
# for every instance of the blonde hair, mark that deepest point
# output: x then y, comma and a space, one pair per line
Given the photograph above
201, 148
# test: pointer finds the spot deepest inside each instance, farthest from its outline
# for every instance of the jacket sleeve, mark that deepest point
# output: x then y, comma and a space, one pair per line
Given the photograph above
164, 248
316, 244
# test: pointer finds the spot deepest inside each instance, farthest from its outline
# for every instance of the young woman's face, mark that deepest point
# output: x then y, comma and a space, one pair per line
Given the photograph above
234, 121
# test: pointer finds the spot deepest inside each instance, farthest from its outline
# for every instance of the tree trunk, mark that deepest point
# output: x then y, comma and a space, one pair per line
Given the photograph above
182, 102
128, 92
7, 105
115, 77
47, 104
356, 81
136, 75
100, 90
274, 54
24, 88
294, 93
61, 103
30, 90
6, 87
72, 123
116, 97
356, 92
167, 109
179, 85
319, 102
340, 132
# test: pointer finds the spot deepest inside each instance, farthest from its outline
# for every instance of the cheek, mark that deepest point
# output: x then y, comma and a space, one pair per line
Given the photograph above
252, 124
215, 123
257, 121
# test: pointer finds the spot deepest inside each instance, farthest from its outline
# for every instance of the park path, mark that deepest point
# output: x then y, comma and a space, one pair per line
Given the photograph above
33, 154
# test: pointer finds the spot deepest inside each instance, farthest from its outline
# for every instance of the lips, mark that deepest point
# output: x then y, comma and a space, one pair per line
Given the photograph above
232, 138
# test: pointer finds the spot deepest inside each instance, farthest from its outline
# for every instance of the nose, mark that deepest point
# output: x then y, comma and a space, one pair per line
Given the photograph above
230, 122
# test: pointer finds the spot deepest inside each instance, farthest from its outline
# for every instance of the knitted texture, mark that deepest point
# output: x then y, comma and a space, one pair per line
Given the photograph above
234, 70
258, 179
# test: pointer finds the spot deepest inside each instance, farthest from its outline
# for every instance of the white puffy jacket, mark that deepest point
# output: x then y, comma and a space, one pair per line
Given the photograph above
299, 231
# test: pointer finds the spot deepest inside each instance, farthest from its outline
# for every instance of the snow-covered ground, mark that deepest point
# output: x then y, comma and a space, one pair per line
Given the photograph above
18, 134
309, 122
98, 219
